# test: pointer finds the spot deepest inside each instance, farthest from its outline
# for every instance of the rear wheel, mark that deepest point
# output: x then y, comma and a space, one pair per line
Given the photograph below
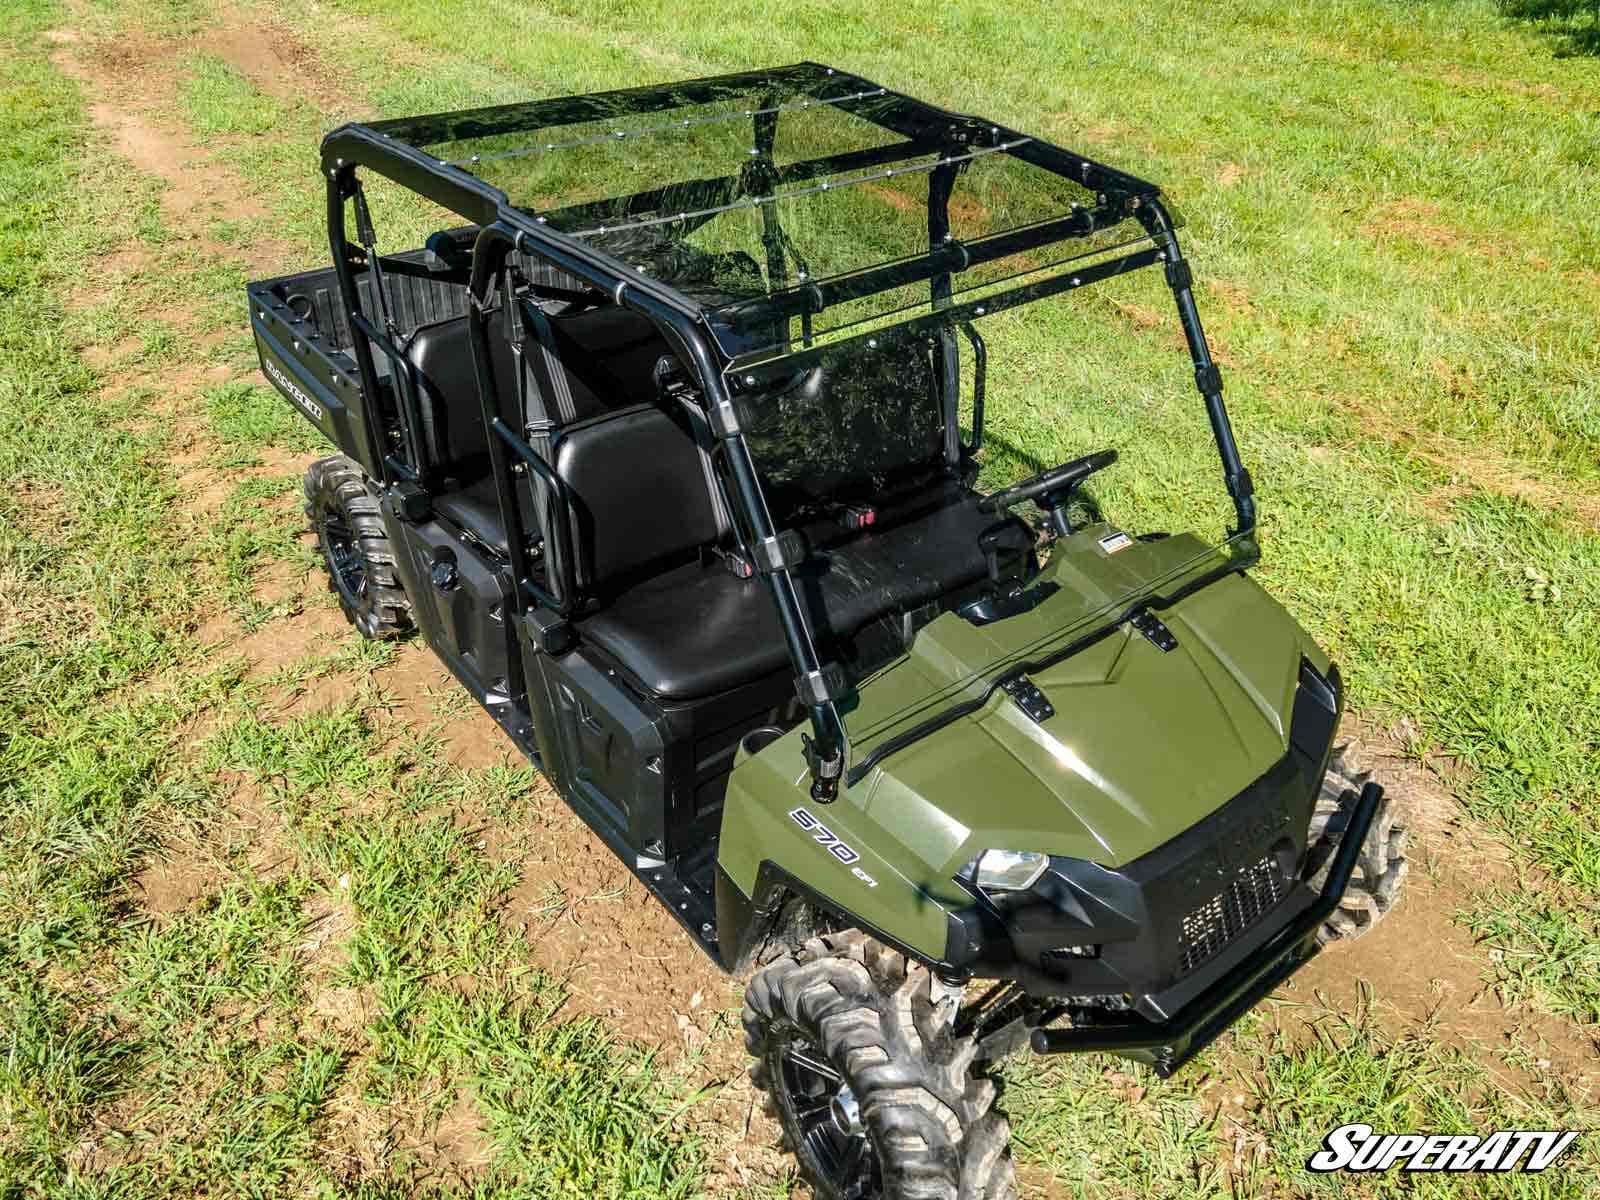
876, 1095
343, 511
1381, 866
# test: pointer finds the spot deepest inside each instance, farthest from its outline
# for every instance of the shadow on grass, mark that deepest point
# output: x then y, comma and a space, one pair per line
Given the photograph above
1573, 25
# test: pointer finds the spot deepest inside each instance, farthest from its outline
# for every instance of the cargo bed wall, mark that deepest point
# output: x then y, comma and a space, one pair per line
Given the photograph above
306, 349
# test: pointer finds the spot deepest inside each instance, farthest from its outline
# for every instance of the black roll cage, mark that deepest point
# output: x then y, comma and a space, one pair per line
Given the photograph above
387, 148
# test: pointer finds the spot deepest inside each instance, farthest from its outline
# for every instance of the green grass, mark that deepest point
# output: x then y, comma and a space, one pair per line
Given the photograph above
175, 1049
248, 417
218, 99
1383, 214
1351, 1074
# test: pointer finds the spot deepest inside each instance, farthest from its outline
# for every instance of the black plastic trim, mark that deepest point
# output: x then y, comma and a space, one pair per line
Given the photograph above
1169, 1044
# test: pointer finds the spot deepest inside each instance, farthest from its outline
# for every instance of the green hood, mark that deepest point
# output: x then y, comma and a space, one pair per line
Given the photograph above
1143, 742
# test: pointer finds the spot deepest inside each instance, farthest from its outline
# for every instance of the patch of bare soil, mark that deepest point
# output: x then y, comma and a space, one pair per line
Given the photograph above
125, 77
1413, 220
1419, 967
420, 695
172, 884
622, 956
278, 61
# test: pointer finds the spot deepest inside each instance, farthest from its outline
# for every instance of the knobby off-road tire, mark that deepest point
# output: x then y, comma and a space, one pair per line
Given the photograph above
343, 511
1381, 866
845, 1012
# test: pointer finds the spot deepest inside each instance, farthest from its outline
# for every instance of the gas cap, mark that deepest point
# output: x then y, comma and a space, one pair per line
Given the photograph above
444, 574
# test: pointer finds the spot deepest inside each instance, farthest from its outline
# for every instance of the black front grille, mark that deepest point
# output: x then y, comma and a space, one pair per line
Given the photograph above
1254, 892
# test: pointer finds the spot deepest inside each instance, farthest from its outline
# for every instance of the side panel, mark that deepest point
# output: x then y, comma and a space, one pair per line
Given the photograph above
464, 621
831, 850
601, 747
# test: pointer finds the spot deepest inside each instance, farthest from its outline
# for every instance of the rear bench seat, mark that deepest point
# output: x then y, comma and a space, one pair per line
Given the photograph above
672, 616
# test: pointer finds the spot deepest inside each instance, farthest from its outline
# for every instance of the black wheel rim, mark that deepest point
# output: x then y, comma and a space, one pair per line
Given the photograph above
345, 564
809, 1083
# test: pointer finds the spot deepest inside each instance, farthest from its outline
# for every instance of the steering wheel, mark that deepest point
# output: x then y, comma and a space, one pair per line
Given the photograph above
1053, 487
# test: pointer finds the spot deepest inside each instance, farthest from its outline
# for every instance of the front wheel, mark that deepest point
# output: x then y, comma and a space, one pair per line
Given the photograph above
344, 515
1381, 867
876, 1095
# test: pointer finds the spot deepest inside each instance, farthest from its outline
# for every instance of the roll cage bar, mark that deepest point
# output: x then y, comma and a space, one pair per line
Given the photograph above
392, 149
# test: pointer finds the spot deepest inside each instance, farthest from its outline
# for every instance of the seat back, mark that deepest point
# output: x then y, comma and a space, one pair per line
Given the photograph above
857, 421
608, 355
450, 420
641, 496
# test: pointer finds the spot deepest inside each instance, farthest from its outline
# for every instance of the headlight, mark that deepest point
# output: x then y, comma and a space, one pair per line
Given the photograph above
1008, 870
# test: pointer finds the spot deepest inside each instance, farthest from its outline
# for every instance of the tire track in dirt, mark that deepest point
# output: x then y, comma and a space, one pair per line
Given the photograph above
620, 955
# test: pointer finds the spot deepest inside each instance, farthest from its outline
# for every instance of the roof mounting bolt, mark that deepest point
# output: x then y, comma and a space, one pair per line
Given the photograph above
801, 275
620, 133
1136, 202
1161, 256
749, 381
872, 343
1076, 281
640, 270
979, 310
752, 151
542, 220
705, 929
830, 70
477, 158
519, 468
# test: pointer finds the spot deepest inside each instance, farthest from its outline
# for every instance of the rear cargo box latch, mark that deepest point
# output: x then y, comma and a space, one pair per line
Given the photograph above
1028, 697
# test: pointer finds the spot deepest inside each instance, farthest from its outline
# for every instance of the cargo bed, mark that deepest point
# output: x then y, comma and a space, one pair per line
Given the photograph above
306, 349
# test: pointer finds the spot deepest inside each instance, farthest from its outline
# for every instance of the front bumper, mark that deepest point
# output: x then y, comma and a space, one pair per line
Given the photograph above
1167, 1044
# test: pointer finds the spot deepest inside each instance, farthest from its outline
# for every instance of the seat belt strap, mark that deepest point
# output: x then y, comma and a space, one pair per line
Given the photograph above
550, 376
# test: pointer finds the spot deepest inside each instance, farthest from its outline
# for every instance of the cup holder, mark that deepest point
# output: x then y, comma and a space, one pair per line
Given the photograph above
759, 739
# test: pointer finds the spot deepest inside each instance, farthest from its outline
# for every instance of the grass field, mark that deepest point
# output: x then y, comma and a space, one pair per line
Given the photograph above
281, 914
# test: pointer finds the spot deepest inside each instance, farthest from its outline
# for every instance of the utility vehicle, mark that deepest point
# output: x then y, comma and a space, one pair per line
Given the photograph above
667, 439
